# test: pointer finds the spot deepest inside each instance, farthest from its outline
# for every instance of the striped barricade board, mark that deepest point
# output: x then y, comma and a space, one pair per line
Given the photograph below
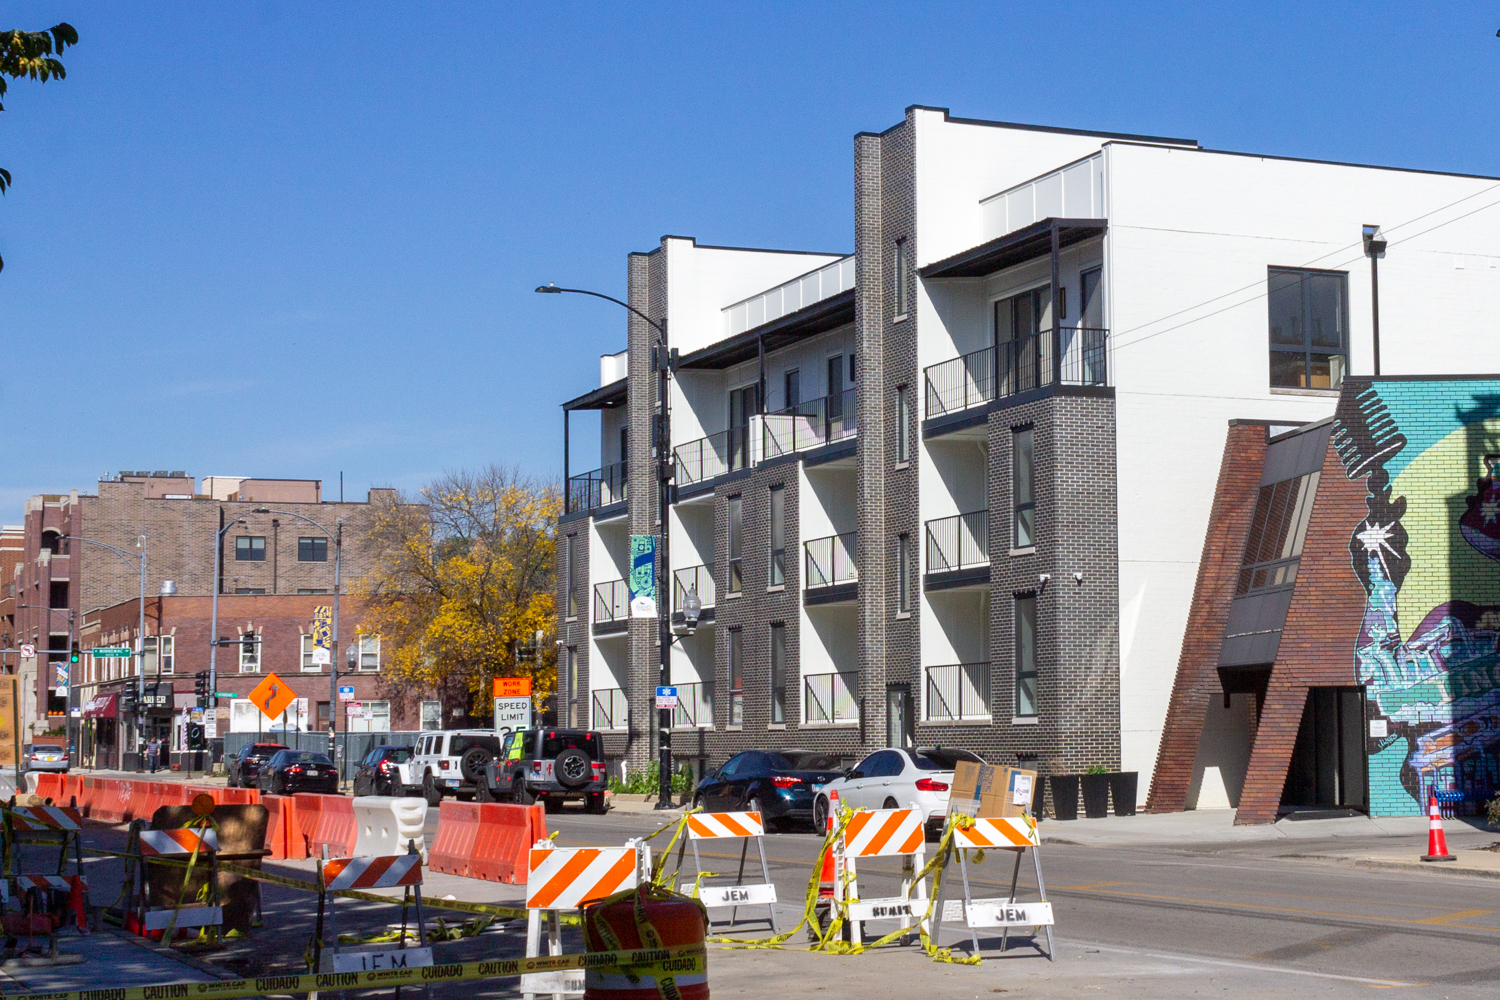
386, 872
744, 827
167, 843
1011, 831
1017, 834
46, 819
565, 878
883, 833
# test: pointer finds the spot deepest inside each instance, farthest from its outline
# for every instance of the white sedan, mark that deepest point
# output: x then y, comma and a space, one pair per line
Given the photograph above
896, 779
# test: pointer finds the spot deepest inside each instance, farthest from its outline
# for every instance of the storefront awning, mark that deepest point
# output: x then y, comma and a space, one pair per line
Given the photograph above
104, 706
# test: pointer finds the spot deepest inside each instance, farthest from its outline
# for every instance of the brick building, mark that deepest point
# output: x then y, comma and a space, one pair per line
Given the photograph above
12, 549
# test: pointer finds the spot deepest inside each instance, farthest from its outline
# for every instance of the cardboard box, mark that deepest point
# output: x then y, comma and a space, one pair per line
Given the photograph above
986, 791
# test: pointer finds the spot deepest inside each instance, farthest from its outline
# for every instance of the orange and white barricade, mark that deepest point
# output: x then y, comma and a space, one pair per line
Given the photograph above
201, 848
1017, 834
744, 827
391, 871
566, 878
58, 826
882, 833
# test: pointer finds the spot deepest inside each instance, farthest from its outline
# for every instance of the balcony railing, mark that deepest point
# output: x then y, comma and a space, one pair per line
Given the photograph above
596, 489
611, 602
958, 542
684, 580
611, 709
695, 705
810, 425
708, 457
958, 691
830, 561
1069, 356
831, 697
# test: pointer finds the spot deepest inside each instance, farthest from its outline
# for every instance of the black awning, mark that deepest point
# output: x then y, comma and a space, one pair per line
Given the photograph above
1024, 244
1245, 680
603, 398
809, 321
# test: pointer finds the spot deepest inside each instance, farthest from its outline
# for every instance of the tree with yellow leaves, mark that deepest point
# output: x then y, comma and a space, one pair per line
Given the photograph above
464, 582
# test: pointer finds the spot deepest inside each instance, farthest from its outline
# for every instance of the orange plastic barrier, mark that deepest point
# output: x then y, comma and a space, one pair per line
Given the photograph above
49, 786
283, 835
104, 803
502, 843
326, 820
458, 829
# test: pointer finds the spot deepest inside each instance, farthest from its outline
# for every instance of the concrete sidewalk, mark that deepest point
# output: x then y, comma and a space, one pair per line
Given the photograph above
111, 959
1214, 826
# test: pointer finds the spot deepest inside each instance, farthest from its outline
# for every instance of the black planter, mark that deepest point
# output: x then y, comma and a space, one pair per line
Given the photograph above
1096, 795
1065, 795
1122, 788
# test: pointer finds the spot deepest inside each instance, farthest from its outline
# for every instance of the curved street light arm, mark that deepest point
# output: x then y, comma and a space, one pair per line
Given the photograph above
553, 289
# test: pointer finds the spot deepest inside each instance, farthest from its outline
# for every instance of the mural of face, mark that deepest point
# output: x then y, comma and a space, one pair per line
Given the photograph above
1428, 553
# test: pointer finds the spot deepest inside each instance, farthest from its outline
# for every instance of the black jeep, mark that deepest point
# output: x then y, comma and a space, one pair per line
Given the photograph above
550, 765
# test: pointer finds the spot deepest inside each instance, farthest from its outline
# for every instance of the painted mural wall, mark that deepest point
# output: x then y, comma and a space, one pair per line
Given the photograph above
1428, 554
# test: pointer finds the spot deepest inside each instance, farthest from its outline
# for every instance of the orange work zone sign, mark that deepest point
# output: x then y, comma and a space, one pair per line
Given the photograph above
512, 687
273, 696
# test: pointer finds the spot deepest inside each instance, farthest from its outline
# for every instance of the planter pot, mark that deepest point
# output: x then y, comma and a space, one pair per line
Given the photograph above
1064, 795
1096, 795
1122, 788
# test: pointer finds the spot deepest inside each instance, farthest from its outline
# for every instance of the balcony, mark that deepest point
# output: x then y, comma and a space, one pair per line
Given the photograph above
611, 605
1068, 356
695, 706
799, 293
610, 709
600, 488
958, 542
831, 561
831, 698
712, 456
810, 425
958, 691
684, 580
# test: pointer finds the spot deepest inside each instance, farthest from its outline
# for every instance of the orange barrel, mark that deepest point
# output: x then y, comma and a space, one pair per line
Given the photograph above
608, 925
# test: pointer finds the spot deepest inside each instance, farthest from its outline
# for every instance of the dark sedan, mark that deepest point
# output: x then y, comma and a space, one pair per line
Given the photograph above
244, 764
291, 771
380, 772
777, 784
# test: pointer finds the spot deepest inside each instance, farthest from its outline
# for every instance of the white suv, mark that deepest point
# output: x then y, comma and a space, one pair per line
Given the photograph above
451, 763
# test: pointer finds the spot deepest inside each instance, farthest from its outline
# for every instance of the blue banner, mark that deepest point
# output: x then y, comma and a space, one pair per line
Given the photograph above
643, 576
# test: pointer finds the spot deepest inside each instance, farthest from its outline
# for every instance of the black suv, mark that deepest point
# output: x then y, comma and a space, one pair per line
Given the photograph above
380, 772
244, 765
550, 765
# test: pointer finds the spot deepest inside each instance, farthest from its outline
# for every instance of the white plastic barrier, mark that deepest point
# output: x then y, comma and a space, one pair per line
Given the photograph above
384, 826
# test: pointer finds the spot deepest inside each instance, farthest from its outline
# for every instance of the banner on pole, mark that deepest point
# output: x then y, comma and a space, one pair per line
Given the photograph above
643, 576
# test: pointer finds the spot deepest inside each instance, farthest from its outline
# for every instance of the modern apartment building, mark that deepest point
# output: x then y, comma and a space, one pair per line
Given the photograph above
953, 488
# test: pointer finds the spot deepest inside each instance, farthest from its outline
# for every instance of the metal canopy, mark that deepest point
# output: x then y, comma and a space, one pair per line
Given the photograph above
1024, 244
603, 398
809, 321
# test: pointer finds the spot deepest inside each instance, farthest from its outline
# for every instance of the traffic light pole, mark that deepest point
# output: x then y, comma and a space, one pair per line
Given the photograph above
213, 626
140, 633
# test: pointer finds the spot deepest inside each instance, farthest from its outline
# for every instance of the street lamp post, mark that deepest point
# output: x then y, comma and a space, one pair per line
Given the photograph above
338, 562
662, 361
213, 626
72, 680
140, 666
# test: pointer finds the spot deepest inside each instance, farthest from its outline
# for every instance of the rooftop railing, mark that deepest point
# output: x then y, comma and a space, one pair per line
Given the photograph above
1066, 356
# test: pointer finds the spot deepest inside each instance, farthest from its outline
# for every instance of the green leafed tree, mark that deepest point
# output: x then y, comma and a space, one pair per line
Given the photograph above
32, 55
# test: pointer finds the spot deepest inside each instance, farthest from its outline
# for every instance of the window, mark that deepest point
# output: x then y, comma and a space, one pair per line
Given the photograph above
1309, 316
432, 715
55, 543
853, 369
308, 666
903, 575
777, 576
323, 715
369, 652
1023, 476
250, 548
903, 426
570, 562
1277, 529
242, 591
570, 688
312, 590
312, 550
1026, 656
791, 388
778, 673
736, 532
168, 647
900, 290
736, 678
165, 644
249, 653
58, 594
374, 718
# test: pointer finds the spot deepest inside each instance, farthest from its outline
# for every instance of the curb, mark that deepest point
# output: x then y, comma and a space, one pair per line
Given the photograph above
1443, 868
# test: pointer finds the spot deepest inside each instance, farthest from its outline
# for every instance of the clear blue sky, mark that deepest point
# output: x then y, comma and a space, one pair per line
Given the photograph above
284, 240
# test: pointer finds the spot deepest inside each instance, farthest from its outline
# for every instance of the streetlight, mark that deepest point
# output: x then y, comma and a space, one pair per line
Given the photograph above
140, 671
214, 642
72, 679
338, 561
1375, 244
663, 361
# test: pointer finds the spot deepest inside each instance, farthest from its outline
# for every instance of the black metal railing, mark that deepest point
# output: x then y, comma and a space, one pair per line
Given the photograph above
695, 705
831, 697
810, 425
958, 542
684, 580
832, 560
1070, 355
714, 455
611, 709
958, 691
611, 602
600, 488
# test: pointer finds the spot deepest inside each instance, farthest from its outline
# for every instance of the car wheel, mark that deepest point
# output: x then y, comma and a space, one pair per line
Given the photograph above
596, 804
431, 792
820, 814
889, 803
519, 793
229, 780
278, 782
482, 792
472, 764
573, 769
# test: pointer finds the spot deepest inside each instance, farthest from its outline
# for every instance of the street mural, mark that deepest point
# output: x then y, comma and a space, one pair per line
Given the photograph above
1428, 554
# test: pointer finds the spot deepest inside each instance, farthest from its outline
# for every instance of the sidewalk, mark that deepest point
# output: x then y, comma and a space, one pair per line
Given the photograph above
110, 958
1210, 826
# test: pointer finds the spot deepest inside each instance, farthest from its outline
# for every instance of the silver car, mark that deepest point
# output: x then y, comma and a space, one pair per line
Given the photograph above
47, 757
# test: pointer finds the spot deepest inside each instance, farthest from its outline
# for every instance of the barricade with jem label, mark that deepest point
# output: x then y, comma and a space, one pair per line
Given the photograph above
1017, 834
565, 878
392, 871
882, 833
744, 827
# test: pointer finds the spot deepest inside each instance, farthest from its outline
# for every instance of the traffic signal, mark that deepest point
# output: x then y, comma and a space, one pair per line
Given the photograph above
130, 703
195, 738
200, 687
74, 654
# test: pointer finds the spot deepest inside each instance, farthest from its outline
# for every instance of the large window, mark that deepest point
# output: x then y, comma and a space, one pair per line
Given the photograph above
308, 666
159, 652
736, 542
1023, 482
1309, 328
374, 717
369, 652
250, 548
778, 673
777, 576
312, 550
1277, 530
1026, 656
736, 678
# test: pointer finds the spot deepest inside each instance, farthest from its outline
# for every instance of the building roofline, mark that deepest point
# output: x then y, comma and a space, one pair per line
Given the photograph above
720, 246
987, 123
1309, 159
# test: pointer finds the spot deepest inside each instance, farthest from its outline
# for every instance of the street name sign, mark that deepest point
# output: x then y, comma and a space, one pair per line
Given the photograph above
106, 651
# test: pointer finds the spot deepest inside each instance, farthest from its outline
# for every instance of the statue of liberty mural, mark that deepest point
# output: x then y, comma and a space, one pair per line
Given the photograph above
1434, 686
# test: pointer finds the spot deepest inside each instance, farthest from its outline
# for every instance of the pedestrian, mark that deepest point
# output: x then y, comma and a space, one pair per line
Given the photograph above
153, 753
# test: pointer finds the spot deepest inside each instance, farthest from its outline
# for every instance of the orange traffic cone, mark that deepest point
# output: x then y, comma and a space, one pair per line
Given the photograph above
77, 903
826, 879
1437, 844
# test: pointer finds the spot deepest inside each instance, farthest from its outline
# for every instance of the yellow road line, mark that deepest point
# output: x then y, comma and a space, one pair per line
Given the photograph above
1448, 918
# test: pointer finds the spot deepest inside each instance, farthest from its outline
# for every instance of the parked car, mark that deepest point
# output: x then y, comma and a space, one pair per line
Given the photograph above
291, 771
382, 771
897, 779
550, 766
451, 763
243, 766
47, 757
778, 784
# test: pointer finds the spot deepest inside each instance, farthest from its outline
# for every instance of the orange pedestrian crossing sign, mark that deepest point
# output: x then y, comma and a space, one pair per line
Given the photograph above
273, 696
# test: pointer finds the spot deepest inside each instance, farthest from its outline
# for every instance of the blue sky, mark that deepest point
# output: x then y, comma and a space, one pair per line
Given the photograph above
258, 239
